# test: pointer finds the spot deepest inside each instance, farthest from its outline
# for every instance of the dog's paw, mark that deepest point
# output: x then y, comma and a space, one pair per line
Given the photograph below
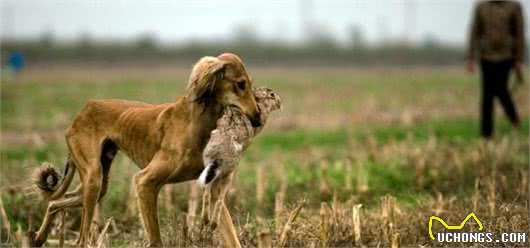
209, 173
32, 240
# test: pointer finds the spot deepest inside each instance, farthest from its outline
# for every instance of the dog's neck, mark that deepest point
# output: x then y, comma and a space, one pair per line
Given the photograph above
204, 117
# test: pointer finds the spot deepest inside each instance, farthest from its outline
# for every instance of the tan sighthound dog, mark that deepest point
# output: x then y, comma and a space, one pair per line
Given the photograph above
166, 141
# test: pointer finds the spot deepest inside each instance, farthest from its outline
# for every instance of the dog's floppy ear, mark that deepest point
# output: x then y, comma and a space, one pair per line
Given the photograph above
203, 77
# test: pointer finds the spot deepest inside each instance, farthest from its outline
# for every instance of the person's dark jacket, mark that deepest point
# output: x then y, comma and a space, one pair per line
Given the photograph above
497, 31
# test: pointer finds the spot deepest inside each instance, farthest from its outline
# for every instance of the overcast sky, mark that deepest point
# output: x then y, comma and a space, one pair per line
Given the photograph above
170, 21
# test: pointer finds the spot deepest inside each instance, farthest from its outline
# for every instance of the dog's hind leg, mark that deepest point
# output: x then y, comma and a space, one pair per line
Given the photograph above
75, 192
108, 152
91, 190
85, 151
54, 207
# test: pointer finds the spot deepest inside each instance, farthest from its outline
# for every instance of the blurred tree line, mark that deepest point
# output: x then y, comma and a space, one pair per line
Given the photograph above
318, 48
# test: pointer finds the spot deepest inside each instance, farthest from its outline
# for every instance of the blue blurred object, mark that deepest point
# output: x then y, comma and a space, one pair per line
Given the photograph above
16, 61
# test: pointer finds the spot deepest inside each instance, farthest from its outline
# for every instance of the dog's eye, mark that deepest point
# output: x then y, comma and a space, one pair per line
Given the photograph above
241, 84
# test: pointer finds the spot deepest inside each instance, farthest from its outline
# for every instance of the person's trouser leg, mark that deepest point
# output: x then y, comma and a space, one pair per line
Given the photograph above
504, 94
488, 76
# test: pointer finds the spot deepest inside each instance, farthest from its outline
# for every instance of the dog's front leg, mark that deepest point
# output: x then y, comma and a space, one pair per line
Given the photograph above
227, 228
148, 182
220, 215
218, 189
205, 212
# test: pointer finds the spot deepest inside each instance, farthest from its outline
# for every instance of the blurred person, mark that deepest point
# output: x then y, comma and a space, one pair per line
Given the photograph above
16, 62
497, 41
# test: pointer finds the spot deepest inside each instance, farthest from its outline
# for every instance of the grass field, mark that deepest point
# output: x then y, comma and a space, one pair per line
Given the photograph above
403, 142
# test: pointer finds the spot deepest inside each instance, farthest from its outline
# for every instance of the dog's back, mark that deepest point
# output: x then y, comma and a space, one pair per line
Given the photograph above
114, 119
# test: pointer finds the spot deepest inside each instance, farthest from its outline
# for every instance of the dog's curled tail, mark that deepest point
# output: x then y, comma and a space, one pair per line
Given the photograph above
50, 181
47, 178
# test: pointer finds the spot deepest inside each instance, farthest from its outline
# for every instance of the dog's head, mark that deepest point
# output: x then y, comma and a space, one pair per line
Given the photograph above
225, 81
